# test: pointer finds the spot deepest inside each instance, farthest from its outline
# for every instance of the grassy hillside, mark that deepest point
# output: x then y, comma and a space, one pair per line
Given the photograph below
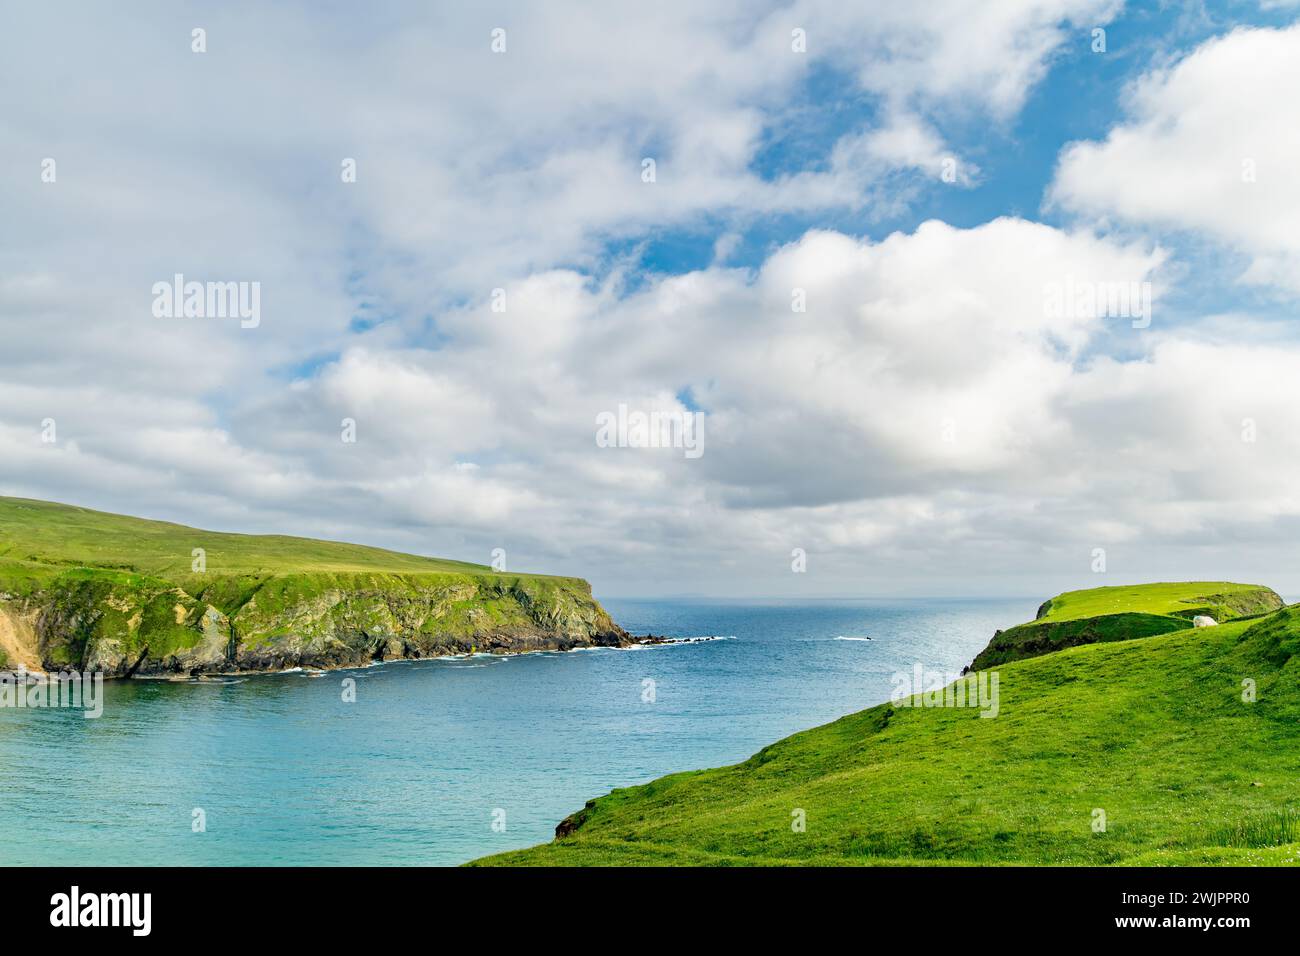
48, 537
1154, 732
81, 588
1124, 613
1222, 600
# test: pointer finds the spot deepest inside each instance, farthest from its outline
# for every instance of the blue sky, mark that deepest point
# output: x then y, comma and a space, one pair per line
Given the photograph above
499, 275
1080, 98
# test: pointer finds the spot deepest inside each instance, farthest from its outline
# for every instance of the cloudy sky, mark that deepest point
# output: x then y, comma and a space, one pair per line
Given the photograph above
845, 263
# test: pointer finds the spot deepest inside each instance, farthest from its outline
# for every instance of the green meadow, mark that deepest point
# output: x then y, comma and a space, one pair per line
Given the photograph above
1125, 613
80, 586
48, 538
1181, 600
1174, 748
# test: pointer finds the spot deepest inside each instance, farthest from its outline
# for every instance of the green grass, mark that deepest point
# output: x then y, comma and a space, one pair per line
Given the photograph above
1184, 600
43, 543
52, 537
81, 586
1277, 828
1124, 613
1154, 732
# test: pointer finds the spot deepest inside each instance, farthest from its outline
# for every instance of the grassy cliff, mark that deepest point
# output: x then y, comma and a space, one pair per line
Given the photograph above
86, 589
1179, 748
1125, 613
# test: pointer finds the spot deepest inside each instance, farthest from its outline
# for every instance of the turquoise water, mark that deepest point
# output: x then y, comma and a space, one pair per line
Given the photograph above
413, 772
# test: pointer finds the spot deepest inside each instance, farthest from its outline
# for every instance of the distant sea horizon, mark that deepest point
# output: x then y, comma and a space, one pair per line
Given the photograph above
441, 761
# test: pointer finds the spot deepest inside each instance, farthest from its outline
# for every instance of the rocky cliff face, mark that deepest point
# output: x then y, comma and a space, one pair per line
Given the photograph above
127, 624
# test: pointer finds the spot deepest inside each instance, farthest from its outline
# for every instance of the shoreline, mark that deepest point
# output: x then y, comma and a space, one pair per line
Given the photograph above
35, 675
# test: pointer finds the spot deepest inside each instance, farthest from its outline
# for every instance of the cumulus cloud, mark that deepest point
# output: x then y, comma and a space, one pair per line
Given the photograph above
927, 410
923, 413
1209, 147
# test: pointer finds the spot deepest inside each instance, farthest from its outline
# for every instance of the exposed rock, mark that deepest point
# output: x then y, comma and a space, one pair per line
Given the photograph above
573, 821
147, 627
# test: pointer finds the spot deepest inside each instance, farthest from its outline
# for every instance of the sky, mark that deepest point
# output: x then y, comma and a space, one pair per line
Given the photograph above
870, 254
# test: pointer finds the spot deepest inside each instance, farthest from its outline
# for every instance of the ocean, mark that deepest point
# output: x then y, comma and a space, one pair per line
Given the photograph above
439, 762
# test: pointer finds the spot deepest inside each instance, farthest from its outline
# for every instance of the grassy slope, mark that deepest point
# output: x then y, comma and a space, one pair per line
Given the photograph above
128, 569
42, 540
1184, 599
55, 536
1153, 731
1124, 613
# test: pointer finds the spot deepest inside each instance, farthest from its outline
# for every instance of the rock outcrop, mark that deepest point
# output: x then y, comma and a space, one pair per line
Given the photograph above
88, 590
129, 625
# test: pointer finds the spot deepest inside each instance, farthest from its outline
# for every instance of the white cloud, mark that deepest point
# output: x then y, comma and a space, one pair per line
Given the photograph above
953, 52
824, 429
1209, 147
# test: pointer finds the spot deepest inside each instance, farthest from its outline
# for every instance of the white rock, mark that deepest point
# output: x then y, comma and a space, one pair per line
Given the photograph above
1203, 620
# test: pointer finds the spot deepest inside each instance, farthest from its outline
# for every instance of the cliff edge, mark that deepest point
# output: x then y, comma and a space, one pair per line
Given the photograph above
88, 590
1099, 615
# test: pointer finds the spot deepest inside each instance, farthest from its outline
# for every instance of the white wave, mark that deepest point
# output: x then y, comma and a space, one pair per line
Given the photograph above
675, 641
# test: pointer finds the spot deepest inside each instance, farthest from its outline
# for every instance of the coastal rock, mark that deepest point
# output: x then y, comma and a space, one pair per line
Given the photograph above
88, 590
573, 821
142, 628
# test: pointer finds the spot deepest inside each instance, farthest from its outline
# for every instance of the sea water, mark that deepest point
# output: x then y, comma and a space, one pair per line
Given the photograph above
443, 761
